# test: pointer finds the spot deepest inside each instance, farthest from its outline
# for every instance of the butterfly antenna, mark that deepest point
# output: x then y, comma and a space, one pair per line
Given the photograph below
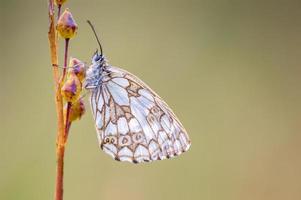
92, 27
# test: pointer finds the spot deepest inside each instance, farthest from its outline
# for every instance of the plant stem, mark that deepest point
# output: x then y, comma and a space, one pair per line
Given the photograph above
60, 172
67, 122
60, 141
65, 58
59, 11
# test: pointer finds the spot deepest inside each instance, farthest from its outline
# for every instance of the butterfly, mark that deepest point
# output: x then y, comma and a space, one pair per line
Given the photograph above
132, 122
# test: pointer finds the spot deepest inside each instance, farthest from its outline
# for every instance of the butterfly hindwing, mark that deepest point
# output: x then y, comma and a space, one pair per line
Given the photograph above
133, 123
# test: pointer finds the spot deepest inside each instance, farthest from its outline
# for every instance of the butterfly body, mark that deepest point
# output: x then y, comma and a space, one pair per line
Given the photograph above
133, 123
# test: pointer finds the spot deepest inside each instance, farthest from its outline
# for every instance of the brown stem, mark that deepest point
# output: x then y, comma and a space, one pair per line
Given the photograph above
60, 141
59, 11
60, 172
67, 122
52, 41
68, 128
65, 59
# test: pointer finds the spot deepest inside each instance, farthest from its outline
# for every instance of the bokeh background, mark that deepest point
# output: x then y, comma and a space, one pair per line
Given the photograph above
231, 71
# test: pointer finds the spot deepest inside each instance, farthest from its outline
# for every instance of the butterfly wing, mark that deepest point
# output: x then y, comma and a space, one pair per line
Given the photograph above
133, 123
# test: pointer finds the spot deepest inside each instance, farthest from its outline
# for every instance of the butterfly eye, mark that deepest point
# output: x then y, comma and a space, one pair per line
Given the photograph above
97, 58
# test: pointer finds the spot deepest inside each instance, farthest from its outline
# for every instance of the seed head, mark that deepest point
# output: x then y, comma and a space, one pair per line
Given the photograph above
59, 2
71, 88
77, 68
77, 110
66, 25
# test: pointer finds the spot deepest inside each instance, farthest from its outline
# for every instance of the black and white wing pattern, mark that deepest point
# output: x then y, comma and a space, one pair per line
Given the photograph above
133, 123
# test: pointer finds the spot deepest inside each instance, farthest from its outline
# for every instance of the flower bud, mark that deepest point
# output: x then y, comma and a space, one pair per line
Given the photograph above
77, 67
59, 2
71, 88
77, 110
66, 25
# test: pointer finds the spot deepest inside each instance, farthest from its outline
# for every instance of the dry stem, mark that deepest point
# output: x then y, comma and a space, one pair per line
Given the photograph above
60, 141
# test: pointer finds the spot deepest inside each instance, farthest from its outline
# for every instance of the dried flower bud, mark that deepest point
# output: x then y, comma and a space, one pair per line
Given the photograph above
78, 68
66, 25
71, 88
59, 2
77, 110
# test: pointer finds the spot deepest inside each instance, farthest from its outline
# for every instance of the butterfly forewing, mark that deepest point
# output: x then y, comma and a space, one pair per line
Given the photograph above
133, 123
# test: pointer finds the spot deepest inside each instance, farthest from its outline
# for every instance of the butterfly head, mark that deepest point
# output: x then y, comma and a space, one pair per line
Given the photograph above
97, 58
93, 73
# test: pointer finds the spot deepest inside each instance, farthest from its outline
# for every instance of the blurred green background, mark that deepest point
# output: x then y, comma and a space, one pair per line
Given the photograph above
231, 71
